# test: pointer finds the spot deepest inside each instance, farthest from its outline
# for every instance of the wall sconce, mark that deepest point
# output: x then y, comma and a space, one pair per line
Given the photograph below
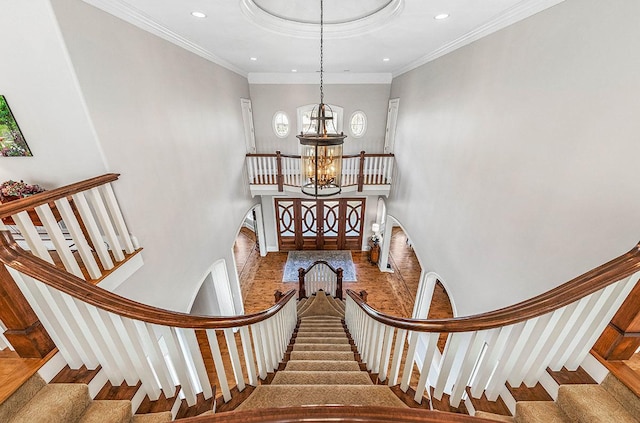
376, 231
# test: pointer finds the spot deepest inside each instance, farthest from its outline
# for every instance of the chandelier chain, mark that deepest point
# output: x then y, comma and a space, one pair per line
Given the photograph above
321, 50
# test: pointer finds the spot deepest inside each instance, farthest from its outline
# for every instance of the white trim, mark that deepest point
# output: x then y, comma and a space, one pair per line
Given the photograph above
520, 11
288, 124
138, 18
305, 78
292, 28
364, 124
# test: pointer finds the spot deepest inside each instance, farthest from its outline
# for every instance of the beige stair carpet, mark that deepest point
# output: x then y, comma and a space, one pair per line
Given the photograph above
322, 347
289, 377
328, 341
55, 403
539, 412
22, 396
321, 306
112, 411
322, 366
330, 355
591, 404
622, 394
153, 417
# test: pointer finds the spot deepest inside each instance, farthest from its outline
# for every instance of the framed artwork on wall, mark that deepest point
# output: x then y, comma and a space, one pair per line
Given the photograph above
12, 142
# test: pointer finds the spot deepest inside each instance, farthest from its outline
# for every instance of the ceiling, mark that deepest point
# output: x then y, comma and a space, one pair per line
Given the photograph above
370, 40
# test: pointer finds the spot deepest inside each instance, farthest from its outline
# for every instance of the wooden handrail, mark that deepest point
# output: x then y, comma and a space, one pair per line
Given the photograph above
35, 200
565, 294
335, 413
15, 257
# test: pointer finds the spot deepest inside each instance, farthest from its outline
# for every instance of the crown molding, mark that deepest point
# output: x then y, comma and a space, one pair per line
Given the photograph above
305, 78
136, 17
338, 30
520, 11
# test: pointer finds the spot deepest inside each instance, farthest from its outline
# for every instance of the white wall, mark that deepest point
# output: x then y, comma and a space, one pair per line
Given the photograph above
517, 155
170, 122
38, 82
267, 99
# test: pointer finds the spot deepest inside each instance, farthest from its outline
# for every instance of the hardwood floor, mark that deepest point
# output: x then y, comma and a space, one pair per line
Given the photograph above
391, 293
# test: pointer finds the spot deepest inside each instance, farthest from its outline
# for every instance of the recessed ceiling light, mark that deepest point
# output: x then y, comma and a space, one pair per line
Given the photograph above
253, 59
386, 59
294, 70
198, 15
441, 16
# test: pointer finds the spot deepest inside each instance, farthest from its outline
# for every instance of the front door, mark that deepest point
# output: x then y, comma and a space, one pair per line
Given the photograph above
319, 224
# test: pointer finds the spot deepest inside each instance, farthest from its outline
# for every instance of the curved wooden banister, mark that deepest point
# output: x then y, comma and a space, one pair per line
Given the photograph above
317, 262
35, 200
577, 288
302, 293
335, 413
15, 257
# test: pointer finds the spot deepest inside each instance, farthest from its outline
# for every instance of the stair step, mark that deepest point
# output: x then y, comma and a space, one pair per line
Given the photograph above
622, 394
21, 397
591, 403
321, 347
55, 403
163, 417
539, 412
269, 396
288, 377
321, 319
312, 340
319, 328
115, 411
322, 355
338, 335
494, 417
322, 366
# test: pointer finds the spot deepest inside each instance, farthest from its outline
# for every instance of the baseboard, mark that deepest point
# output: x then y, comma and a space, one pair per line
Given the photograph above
52, 367
595, 369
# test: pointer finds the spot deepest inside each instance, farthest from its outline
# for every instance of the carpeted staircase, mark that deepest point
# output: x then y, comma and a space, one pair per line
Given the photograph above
39, 402
322, 368
610, 401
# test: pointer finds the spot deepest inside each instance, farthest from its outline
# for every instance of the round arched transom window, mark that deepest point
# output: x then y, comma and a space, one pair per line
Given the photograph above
358, 124
281, 124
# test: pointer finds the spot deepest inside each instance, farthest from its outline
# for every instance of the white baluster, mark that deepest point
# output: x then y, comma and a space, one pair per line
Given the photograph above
152, 350
131, 342
115, 345
118, 219
386, 352
531, 346
59, 242
469, 361
31, 236
457, 345
247, 350
499, 377
398, 349
219, 364
193, 356
235, 358
177, 360
378, 347
267, 346
409, 359
427, 359
260, 352
105, 223
496, 343
89, 221
77, 235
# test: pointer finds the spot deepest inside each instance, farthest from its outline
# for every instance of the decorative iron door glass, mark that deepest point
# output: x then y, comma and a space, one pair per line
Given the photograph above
12, 142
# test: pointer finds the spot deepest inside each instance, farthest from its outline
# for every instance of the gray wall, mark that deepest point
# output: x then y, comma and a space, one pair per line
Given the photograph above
167, 120
517, 155
267, 99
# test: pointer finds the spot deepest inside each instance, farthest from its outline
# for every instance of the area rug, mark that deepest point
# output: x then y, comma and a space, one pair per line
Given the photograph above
304, 259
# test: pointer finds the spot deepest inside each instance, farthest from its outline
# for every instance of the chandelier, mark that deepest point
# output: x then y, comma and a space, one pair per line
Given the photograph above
321, 144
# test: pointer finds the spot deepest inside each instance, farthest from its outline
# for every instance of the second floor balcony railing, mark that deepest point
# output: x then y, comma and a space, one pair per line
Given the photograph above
281, 172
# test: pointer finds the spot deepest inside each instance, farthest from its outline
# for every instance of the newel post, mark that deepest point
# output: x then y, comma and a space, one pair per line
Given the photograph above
278, 295
339, 283
363, 294
621, 339
361, 173
301, 291
280, 176
24, 331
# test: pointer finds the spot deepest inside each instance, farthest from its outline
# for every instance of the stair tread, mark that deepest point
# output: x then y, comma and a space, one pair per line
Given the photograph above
51, 404
322, 355
322, 365
269, 396
622, 394
162, 417
20, 397
321, 347
289, 377
591, 404
539, 412
329, 341
107, 411
495, 417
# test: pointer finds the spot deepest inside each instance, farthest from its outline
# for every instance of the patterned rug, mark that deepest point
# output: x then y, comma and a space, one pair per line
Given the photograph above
298, 259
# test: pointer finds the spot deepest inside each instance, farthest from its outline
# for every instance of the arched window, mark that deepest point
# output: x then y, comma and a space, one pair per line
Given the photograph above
358, 124
281, 124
